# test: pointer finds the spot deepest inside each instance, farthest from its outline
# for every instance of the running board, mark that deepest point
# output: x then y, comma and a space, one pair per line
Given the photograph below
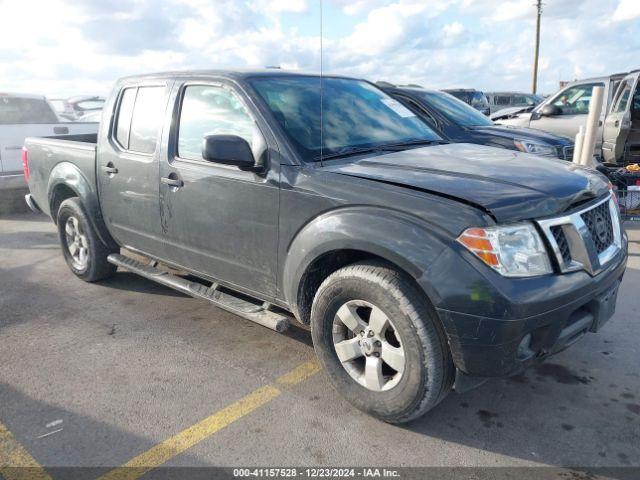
258, 313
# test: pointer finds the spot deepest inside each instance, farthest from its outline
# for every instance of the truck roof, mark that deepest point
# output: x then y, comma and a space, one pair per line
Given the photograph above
235, 74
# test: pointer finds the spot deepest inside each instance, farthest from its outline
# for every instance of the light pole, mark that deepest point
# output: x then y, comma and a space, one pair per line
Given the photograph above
537, 50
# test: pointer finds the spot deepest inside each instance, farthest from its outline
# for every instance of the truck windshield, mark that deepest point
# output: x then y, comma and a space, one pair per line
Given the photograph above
20, 110
454, 110
355, 115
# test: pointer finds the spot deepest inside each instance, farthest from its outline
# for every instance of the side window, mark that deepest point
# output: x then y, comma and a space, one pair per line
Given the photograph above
635, 106
148, 114
575, 100
210, 110
502, 100
123, 122
622, 97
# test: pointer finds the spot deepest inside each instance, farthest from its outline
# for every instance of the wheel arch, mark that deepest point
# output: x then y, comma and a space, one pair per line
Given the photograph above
350, 235
66, 180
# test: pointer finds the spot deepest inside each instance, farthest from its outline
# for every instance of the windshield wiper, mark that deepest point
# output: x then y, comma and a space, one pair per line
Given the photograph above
412, 143
385, 147
348, 151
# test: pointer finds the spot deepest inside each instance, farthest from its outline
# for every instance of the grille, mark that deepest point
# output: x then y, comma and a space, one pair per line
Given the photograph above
598, 221
565, 153
585, 239
563, 245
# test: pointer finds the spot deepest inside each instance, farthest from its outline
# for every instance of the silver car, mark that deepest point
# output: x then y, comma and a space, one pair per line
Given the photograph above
564, 112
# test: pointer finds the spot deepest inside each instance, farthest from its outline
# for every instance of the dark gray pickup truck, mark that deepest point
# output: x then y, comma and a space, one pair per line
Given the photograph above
419, 265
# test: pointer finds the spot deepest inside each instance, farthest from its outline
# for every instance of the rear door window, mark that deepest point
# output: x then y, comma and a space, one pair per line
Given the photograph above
147, 118
140, 116
123, 123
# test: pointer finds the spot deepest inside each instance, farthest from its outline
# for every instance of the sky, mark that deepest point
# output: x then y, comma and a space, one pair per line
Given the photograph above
70, 47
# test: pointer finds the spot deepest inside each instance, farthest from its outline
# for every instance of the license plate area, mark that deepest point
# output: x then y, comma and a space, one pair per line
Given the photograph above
604, 307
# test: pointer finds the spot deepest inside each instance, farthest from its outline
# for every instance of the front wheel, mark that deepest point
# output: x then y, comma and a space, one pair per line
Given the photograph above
84, 252
380, 342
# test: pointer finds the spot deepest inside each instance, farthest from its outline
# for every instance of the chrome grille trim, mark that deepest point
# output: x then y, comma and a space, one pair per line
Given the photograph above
567, 152
582, 247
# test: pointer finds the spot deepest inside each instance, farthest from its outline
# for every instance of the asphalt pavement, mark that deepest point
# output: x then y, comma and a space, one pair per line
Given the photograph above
99, 375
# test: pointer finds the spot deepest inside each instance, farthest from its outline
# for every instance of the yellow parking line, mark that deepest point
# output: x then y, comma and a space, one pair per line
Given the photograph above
166, 450
15, 462
298, 374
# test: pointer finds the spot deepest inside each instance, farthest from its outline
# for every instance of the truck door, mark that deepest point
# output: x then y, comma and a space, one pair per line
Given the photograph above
218, 220
618, 122
127, 167
572, 107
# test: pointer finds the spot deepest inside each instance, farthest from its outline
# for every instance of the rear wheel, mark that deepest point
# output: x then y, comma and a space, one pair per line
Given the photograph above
380, 342
84, 252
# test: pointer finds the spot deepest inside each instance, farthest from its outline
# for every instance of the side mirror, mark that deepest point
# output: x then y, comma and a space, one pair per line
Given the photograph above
229, 150
550, 110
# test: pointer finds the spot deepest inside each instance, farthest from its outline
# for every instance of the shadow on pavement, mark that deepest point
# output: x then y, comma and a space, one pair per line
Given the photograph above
85, 448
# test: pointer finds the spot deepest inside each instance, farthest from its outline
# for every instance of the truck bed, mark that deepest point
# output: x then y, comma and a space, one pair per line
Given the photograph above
69, 155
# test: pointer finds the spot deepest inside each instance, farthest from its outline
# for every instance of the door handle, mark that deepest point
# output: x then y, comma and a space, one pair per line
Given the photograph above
109, 169
172, 182
617, 123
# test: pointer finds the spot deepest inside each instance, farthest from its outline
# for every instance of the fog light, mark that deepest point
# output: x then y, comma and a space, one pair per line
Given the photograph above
524, 349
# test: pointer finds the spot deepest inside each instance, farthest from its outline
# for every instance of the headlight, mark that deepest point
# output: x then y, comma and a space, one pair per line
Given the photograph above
513, 250
535, 148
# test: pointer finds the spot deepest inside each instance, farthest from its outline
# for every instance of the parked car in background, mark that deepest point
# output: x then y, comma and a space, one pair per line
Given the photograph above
458, 122
94, 116
501, 100
419, 266
75, 108
564, 112
24, 116
470, 96
621, 132
63, 109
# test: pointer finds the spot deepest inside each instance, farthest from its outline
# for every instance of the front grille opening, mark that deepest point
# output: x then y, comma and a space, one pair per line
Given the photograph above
563, 244
598, 221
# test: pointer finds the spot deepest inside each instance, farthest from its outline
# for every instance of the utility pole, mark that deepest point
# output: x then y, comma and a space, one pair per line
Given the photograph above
535, 58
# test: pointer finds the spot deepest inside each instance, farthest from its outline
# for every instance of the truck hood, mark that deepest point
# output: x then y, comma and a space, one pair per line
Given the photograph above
508, 185
523, 133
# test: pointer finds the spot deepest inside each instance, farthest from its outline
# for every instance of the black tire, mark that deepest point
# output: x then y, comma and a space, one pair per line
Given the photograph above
95, 266
428, 371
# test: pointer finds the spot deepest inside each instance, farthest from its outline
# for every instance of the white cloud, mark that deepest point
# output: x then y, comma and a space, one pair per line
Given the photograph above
65, 47
627, 10
452, 33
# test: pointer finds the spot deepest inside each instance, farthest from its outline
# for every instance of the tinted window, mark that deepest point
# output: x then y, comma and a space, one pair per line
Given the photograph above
454, 110
210, 110
354, 114
622, 99
15, 110
123, 122
502, 100
635, 106
575, 100
147, 118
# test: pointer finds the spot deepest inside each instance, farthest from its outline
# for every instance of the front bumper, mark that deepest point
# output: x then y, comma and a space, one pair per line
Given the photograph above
485, 337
